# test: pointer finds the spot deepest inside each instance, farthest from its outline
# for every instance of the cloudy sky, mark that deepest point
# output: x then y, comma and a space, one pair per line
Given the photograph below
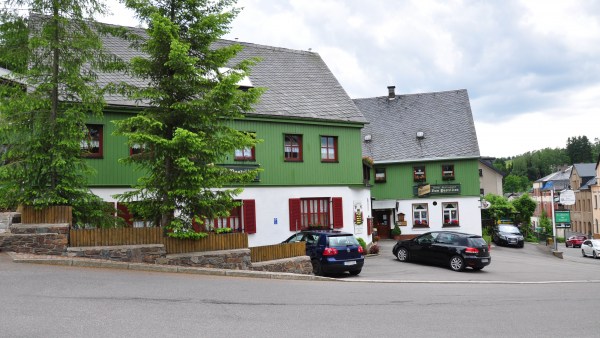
531, 67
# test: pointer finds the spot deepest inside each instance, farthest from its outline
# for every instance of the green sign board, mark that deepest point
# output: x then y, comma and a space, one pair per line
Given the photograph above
436, 189
562, 217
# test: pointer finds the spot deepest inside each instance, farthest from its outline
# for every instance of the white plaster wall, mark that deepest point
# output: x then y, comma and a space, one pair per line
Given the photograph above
469, 214
272, 209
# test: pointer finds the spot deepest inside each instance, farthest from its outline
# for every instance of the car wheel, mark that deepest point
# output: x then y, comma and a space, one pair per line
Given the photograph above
355, 272
566, 245
521, 245
402, 254
594, 254
317, 268
583, 253
457, 263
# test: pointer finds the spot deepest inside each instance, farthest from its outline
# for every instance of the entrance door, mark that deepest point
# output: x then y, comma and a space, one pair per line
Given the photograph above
382, 219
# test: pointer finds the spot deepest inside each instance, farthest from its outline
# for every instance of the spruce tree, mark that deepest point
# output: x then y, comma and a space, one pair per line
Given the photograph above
50, 51
191, 98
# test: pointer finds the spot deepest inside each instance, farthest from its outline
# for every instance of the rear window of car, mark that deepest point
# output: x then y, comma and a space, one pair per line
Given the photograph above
476, 241
342, 240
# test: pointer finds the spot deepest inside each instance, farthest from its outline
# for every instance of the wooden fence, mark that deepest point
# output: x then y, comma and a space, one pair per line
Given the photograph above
52, 214
213, 242
116, 236
277, 251
155, 235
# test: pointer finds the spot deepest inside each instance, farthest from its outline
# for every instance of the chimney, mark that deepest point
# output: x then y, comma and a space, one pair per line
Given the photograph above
391, 92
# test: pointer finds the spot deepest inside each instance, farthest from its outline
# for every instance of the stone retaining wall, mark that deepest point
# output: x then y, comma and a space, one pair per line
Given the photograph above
52, 239
39, 239
238, 259
147, 253
300, 265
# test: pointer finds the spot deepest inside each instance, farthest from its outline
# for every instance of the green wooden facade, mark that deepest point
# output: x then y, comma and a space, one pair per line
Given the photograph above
269, 153
400, 183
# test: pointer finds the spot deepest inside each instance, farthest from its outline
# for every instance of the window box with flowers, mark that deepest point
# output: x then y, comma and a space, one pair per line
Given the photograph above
449, 223
421, 224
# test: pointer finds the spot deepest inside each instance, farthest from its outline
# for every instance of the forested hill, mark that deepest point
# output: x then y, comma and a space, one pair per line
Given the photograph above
521, 170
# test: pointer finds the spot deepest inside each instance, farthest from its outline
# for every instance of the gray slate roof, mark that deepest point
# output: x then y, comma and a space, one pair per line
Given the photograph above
587, 172
559, 180
585, 169
445, 118
298, 83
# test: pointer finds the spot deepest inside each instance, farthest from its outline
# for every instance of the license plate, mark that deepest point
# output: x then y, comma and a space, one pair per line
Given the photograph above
350, 263
485, 260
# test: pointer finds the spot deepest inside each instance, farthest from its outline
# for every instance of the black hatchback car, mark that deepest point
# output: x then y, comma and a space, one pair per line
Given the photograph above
456, 250
508, 234
331, 251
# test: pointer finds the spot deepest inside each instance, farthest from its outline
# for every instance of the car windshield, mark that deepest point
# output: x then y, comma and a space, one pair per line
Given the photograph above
509, 228
342, 241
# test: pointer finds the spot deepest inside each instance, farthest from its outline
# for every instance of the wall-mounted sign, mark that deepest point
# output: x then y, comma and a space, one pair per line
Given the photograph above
424, 190
436, 189
567, 197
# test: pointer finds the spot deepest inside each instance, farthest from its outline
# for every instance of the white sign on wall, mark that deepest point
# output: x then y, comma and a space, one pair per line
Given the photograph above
567, 197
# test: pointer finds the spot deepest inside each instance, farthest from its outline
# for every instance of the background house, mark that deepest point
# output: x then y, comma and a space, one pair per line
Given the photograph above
595, 189
582, 178
490, 178
543, 190
425, 161
309, 150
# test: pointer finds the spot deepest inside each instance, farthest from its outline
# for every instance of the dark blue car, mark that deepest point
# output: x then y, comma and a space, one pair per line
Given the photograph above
331, 251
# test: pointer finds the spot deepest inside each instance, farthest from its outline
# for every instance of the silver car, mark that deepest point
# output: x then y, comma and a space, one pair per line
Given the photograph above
591, 247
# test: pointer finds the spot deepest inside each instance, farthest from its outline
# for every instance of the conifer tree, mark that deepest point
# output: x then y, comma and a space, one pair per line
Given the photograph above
191, 98
50, 52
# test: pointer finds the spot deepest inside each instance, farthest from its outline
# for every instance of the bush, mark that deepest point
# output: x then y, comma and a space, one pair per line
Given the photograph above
362, 243
396, 230
374, 249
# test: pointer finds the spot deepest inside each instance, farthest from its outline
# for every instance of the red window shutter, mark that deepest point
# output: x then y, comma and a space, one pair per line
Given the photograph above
295, 221
123, 212
338, 212
249, 210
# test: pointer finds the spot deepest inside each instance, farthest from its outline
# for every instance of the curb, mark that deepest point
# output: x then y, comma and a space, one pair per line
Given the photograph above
96, 263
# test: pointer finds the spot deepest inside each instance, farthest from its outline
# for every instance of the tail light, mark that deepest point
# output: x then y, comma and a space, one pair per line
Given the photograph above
472, 250
330, 252
360, 249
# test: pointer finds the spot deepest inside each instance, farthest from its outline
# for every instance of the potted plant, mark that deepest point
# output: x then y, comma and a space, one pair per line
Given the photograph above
396, 232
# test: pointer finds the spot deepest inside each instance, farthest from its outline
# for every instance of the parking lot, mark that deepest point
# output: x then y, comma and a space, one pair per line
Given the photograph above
533, 263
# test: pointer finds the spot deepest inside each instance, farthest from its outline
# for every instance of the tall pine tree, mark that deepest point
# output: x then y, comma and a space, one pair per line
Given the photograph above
49, 53
191, 96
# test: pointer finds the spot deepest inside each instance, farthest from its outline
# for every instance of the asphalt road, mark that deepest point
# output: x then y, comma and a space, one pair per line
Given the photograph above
66, 301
